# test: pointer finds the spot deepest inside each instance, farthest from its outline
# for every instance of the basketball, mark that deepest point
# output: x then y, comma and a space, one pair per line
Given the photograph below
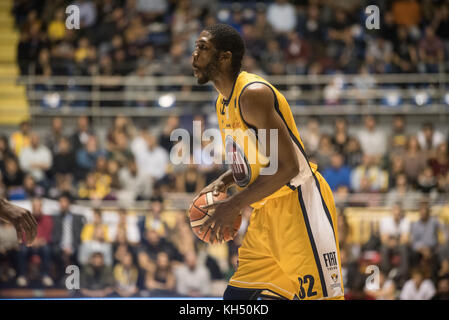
198, 216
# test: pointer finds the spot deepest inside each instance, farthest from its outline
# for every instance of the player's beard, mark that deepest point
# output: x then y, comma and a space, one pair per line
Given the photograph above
207, 73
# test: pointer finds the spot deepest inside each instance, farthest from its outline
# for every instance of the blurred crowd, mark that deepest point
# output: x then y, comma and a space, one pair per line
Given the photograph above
156, 38
282, 37
364, 167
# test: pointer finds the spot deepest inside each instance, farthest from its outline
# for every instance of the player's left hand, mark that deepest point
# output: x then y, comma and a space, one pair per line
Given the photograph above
223, 214
21, 219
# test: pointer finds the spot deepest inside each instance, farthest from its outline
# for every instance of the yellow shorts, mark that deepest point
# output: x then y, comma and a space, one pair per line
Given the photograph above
291, 246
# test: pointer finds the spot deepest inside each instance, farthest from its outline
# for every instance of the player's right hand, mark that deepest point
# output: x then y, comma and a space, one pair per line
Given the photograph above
21, 219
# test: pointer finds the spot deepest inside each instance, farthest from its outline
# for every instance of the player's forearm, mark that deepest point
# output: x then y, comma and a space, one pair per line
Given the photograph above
3, 214
264, 186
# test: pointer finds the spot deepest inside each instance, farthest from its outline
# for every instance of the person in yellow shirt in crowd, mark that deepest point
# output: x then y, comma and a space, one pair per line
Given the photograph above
56, 28
87, 234
92, 188
126, 275
21, 139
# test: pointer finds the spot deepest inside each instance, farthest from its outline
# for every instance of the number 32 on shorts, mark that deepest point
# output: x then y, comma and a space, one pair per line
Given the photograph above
306, 287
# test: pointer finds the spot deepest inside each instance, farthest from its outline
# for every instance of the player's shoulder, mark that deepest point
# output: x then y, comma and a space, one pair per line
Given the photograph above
256, 92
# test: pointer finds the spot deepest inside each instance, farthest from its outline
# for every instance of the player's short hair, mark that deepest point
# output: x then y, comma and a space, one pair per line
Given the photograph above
226, 38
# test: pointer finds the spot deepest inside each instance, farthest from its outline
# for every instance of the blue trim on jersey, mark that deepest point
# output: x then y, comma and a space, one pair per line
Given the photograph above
312, 242
240, 109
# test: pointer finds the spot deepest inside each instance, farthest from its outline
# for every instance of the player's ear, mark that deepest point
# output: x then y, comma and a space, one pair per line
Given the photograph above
226, 56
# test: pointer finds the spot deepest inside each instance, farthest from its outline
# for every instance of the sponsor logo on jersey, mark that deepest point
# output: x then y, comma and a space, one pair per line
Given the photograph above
330, 260
238, 162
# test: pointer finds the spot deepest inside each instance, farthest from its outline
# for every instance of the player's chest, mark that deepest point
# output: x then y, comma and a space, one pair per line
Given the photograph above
229, 115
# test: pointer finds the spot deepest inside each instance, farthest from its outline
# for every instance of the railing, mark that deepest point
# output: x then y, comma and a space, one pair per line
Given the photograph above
104, 96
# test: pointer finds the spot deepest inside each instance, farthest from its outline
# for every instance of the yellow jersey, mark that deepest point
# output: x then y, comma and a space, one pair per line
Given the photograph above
291, 245
235, 130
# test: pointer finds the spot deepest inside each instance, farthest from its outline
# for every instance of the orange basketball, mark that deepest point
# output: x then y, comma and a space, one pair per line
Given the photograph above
198, 216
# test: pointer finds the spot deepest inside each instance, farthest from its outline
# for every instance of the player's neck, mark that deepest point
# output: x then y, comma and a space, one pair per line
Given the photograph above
224, 84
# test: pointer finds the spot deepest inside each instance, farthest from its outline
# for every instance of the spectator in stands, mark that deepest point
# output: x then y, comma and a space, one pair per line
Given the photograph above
441, 22
40, 247
12, 176
176, 61
368, 176
97, 243
87, 156
424, 232
429, 138
152, 10
54, 136
127, 226
152, 243
281, 16
192, 278
135, 185
92, 188
311, 135
64, 164
340, 137
372, 140
380, 53
395, 168
324, 153
398, 139
97, 279
440, 162
414, 160
426, 182
56, 28
126, 275
395, 235
405, 55
272, 56
417, 287
171, 124
151, 158
431, 51
21, 139
402, 193
66, 235
30, 188
338, 174
161, 282
120, 152
81, 136
112, 172
36, 159
154, 220
442, 289
298, 52
353, 153
87, 234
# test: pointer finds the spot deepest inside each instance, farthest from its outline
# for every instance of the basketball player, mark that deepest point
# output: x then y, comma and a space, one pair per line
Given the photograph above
21, 219
291, 248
